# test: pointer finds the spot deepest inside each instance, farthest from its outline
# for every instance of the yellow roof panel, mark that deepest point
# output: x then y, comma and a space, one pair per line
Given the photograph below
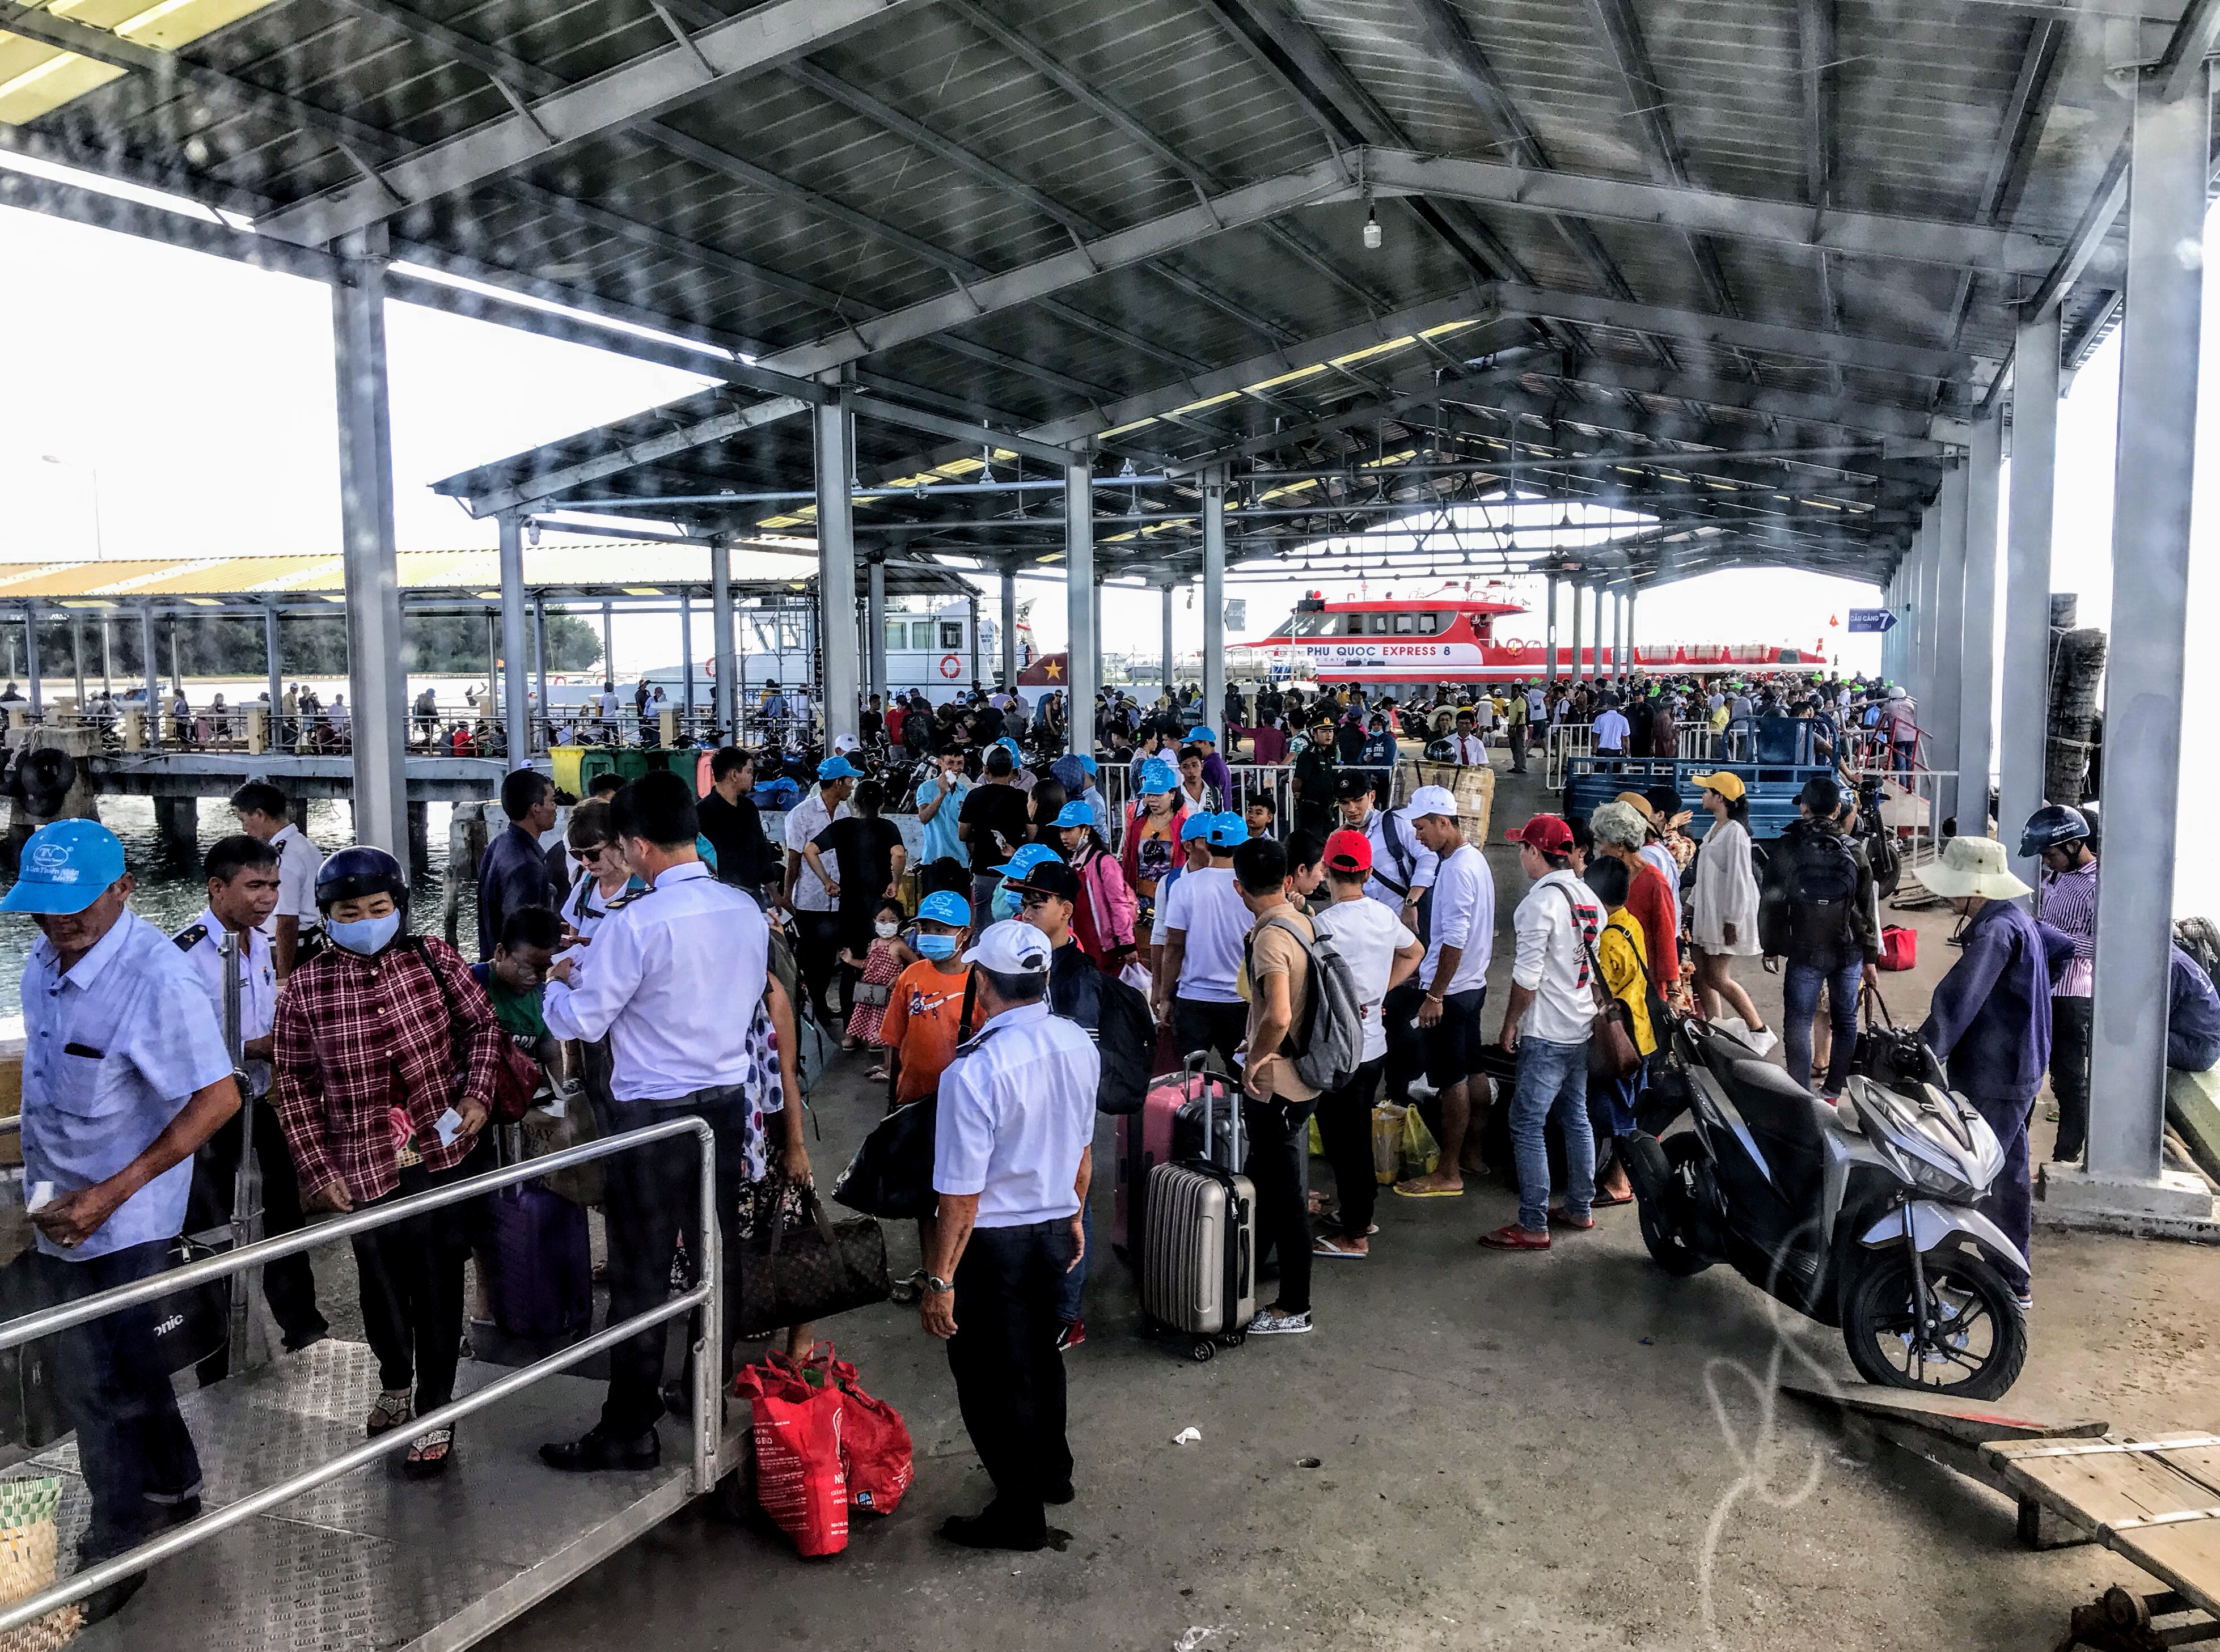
36, 78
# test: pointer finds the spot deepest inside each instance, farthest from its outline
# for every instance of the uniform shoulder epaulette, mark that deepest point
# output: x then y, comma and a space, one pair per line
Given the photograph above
627, 898
190, 936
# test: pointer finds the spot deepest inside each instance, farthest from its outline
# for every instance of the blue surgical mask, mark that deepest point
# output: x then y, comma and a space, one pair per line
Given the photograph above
367, 936
1005, 905
936, 947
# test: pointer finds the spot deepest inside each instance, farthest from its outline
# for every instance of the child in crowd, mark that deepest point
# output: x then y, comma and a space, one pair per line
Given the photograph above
887, 959
1619, 953
926, 1019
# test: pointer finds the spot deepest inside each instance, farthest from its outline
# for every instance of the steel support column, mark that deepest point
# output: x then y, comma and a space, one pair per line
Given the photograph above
1978, 653
271, 659
1081, 596
516, 704
1549, 632
875, 628
77, 657
540, 661
685, 654
836, 566
1575, 590
1214, 599
1168, 637
2027, 581
38, 700
1950, 706
1009, 637
153, 669
728, 687
2155, 466
1627, 644
608, 644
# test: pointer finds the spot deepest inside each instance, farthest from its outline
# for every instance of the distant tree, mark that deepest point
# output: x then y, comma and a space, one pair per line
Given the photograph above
435, 645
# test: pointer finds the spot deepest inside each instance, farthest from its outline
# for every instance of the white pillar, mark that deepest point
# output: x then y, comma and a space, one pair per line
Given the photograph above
1550, 631
2027, 582
1978, 654
1010, 624
875, 627
2156, 465
726, 690
1574, 591
1079, 601
1213, 599
836, 566
375, 640
1168, 636
1626, 644
1948, 710
516, 709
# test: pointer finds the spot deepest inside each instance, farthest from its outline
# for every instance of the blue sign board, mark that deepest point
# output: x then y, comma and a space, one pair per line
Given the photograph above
1872, 618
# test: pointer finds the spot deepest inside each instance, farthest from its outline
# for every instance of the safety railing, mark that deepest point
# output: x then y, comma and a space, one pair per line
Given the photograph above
1692, 740
708, 1361
1914, 803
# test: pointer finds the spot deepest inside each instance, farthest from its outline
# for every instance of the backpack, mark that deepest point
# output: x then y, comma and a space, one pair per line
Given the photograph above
1812, 890
1329, 1044
1405, 861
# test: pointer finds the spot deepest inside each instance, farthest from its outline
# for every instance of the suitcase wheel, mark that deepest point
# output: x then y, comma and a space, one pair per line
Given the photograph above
1202, 1351
1234, 1339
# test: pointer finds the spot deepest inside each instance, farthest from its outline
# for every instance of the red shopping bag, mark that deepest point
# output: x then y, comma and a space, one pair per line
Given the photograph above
875, 1444
1899, 947
800, 1479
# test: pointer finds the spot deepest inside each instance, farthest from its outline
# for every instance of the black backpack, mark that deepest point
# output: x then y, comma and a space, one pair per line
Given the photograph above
1816, 884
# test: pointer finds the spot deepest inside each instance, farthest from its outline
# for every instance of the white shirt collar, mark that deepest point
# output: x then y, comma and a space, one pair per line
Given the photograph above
686, 871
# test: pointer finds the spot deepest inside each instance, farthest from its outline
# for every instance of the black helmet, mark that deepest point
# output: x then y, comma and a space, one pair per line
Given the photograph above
2053, 826
361, 870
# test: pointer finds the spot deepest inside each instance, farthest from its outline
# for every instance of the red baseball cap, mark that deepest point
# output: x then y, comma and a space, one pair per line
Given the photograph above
1348, 851
1547, 832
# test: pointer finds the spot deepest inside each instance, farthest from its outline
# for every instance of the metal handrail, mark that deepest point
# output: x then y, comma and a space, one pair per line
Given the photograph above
707, 1370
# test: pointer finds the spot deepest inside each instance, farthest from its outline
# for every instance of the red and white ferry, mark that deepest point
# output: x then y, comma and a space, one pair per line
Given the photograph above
1449, 636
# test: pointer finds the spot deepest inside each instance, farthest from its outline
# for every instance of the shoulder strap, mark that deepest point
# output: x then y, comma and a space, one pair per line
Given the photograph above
971, 999
189, 936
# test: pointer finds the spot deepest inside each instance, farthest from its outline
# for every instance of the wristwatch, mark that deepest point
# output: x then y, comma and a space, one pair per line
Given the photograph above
934, 1283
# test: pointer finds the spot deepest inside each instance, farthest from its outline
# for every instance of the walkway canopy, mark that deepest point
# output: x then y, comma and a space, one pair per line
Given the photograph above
1755, 269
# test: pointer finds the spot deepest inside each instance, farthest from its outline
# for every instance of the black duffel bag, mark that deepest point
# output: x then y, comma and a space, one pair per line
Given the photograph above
794, 1275
891, 1175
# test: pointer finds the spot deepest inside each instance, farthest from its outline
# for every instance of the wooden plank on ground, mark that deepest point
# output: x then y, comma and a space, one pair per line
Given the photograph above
1968, 1421
2145, 1500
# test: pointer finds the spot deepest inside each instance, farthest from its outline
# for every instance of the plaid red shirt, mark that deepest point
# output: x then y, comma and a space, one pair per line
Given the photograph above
359, 1040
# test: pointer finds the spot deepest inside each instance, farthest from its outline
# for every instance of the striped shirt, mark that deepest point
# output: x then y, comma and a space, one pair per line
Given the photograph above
2069, 904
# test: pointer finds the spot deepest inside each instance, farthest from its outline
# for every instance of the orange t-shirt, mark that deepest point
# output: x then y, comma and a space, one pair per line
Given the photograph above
923, 1010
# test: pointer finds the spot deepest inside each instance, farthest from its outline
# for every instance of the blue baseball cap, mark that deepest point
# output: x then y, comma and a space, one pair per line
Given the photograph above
1200, 733
1197, 825
945, 907
1011, 747
1072, 814
1027, 858
1228, 831
837, 769
1157, 775
66, 866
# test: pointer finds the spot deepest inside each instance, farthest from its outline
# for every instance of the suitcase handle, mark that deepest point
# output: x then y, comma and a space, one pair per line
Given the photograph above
1198, 1065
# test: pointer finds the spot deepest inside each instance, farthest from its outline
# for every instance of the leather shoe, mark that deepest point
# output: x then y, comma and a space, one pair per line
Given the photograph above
160, 1517
1059, 1494
102, 1604
595, 1450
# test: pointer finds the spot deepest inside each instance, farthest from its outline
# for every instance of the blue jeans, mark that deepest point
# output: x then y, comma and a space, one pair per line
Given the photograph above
1799, 998
1553, 1081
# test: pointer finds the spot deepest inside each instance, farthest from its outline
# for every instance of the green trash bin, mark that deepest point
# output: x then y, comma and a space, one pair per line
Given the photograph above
596, 761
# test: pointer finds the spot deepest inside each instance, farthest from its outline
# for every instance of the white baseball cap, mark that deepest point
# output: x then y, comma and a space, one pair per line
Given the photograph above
1432, 800
1010, 948
844, 744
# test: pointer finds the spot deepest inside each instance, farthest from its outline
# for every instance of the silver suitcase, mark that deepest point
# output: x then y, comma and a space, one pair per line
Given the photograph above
1198, 1252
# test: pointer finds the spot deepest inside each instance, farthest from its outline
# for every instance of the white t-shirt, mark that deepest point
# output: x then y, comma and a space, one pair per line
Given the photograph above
1208, 906
1464, 916
803, 822
298, 863
1611, 730
1368, 935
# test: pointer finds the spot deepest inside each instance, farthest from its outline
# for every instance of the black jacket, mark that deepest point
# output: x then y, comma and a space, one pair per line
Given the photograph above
1116, 1017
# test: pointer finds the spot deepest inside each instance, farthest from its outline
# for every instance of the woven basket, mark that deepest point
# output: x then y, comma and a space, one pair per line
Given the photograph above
28, 1537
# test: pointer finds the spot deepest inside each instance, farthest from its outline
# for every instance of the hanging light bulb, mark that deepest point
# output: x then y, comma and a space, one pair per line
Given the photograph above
1371, 226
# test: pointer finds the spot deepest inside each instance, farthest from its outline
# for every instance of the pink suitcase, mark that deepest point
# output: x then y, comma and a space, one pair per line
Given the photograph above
1144, 1141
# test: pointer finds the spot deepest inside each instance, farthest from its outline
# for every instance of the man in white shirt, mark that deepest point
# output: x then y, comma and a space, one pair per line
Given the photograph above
1013, 1156
1611, 731
243, 879
1196, 993
1467, 749
1454, 976
1382, 955
1547, 1021
1401, 879
264, 814
674, 980
816, 913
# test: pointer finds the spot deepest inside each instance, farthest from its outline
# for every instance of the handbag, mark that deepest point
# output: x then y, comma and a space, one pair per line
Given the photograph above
796, 1275
516, 1076
891, 1175
1612, 1053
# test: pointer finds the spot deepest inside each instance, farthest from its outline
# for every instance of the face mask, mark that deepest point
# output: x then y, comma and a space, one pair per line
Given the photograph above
1005, 905
887, 931
936, 947
366, 936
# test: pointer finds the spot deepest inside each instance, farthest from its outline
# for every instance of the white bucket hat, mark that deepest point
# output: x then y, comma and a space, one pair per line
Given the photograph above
1972, 866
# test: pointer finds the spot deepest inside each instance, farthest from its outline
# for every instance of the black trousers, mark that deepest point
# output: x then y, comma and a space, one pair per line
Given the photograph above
113, 1386
1197, 1025
411, 1277
1344, 1118
652, 1199
1279, 1142
2070, 1028
289, 1284
821, 966
1518, 750
1407, 1041
1009, 1377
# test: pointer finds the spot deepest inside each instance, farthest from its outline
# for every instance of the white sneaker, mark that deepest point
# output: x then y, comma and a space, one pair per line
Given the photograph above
1269, 1324
1763, 1040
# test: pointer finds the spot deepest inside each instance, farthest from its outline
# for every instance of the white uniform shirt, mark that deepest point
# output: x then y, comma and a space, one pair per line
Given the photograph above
804, 821
1611, 730
298, 863
1463, 916
1552, 958
1369, 936
1207, 905
1016, 1111
1468, 751
258, 984
1381, 830
673, 977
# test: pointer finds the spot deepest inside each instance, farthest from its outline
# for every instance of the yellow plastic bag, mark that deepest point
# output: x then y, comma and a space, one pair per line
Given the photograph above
1317, 1142
1387, 1142
1420, 1152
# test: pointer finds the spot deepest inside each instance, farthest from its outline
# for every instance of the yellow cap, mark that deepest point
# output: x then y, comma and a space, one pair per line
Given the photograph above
1726, 783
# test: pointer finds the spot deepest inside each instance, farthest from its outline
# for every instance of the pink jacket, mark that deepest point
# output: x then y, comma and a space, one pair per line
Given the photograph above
1109, 898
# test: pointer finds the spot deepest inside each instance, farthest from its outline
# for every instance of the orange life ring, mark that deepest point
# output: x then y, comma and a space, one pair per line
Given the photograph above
1515, 650
951, 667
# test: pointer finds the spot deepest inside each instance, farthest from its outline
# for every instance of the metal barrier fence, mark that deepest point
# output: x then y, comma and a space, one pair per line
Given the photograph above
1570, 740
708, 1361
1912, 806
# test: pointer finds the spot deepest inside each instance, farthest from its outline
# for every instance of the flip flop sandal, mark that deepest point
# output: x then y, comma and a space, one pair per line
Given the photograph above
1332, 1221
1324, 1246
1602, 1201
1512, 1236
1405, 1190
395, 1406
419, 1463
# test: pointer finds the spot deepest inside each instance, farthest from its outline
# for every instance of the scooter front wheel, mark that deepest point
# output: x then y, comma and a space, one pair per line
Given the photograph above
1973, 1346
1664, 1226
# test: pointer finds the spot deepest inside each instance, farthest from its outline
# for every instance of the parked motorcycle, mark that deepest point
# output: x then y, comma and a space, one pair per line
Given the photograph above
1882, 852
1859, 1215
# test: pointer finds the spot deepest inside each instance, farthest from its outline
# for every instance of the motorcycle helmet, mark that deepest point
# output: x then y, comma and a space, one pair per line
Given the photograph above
2053, 826
361, 870
1440, 751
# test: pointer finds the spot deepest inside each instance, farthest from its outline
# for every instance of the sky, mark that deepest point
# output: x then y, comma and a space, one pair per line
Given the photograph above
163, 402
